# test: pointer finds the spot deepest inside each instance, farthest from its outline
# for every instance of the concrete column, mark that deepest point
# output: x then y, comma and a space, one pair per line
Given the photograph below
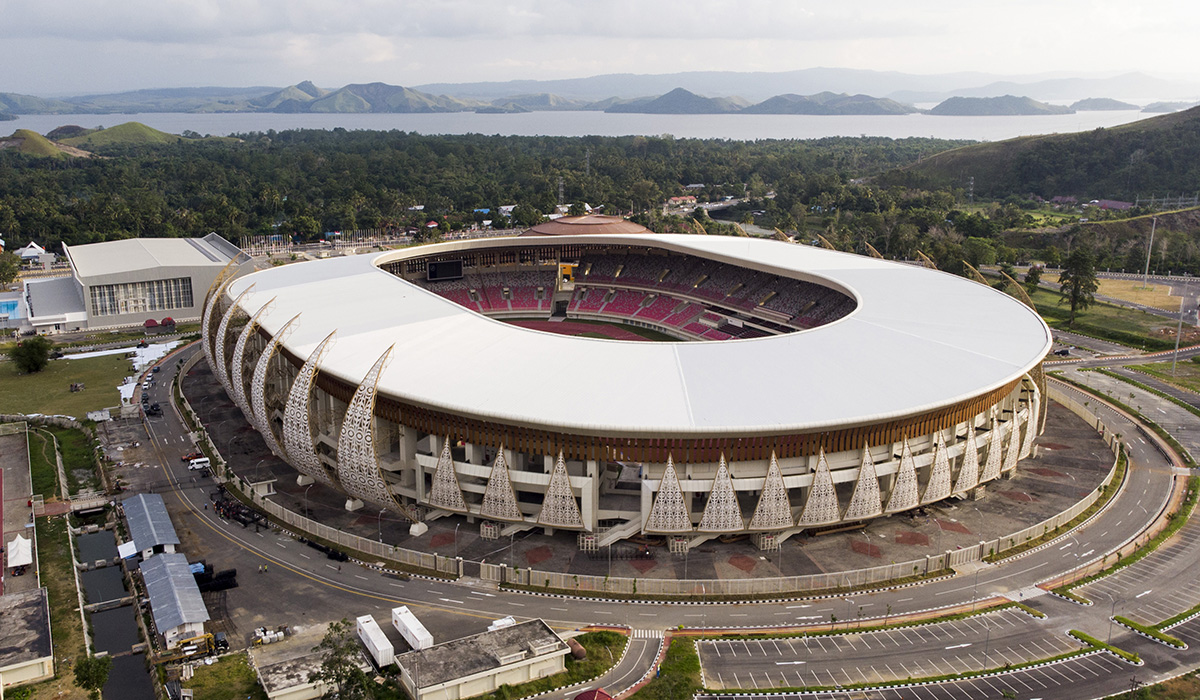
474, 453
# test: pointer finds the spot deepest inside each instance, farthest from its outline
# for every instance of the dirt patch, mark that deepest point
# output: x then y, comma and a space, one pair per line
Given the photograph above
1054, 446
537, 555
860, 547
1042, 471
441, 539
951, 526
912, 538
643, 565
1017, 496
743, 562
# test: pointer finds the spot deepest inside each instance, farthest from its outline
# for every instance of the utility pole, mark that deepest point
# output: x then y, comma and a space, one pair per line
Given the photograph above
1149, 249
587, 163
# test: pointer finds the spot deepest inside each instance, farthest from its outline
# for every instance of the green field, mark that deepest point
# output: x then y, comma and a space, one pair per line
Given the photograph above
1136, 329
49, 391
1187, 373
231, 678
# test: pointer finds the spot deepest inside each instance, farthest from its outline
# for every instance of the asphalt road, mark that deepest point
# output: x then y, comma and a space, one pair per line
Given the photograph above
302, 585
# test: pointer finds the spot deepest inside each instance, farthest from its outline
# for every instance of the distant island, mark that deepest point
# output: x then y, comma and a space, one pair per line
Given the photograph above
1101, 104
1167, 107
1007, 105
5, 117
829, 103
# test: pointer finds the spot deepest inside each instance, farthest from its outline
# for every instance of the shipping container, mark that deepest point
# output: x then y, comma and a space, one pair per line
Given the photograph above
373, 638
411, 628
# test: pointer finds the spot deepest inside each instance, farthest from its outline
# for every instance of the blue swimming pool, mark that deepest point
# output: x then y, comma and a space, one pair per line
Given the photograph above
10, 308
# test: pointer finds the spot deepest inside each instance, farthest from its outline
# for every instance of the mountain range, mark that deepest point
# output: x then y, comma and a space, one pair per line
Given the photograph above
810, 91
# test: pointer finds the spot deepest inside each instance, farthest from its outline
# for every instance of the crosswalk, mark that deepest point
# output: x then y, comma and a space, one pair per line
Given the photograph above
645, 634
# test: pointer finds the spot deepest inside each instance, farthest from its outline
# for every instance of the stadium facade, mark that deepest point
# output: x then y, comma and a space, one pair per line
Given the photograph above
808, 388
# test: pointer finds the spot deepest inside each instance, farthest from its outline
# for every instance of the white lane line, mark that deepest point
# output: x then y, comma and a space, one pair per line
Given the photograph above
489, 595
362, 577
450, 600
397, 585
281, 545
519, 605
789, 663
304, 555
904, 600
1139, 595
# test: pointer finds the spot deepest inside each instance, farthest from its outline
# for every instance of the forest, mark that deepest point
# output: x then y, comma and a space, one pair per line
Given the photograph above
300, 184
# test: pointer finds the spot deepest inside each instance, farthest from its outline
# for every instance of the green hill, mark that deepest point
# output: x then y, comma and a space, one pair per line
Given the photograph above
1101, 104
1007, 105
31, 143
1154, 155
5, 117
828, 103
13, 103
127, 134
381, 97
678, 101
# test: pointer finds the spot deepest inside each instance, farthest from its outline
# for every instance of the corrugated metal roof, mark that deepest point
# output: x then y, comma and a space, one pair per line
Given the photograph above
54, 297
132, 254
149, 524
918, 341
174, 597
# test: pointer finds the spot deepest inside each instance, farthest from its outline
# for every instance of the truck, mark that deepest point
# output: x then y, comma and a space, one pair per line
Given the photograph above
376, 642
411, 628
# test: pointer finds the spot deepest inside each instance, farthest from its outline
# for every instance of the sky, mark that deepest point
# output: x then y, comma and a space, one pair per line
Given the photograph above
69, 47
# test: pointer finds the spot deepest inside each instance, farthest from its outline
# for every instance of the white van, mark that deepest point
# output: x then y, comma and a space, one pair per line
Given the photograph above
198, 464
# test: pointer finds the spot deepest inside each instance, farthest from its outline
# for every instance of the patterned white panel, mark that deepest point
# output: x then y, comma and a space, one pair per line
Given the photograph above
499, 499
669, 514
866, 502
297, 429
219, 367
939, 475
904, 493
446, 492
258, 389
1031, 424
722, 513
1014, 444
559, 508
210, 310
968, 474
357, 462
237, 373
822, 507
991, 468
774, 511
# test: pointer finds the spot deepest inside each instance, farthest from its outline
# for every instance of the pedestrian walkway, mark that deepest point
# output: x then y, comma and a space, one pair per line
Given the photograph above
645, 634
15, 510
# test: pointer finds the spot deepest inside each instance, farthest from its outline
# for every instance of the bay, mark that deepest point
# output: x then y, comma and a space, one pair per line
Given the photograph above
737, 127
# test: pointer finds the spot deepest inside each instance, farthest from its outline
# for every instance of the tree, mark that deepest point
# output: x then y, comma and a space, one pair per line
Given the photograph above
339, 670
1033, 278
1077, 281
32, 354
91, 673
10, 264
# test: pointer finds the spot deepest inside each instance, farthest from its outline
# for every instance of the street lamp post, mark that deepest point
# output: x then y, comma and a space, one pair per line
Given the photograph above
257, 472
1179, 328
456, 526
306, 498
379, 523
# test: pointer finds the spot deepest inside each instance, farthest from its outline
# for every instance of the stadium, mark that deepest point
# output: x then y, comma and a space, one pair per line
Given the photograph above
620, 383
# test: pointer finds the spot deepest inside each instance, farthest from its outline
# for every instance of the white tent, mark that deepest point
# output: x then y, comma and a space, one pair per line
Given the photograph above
20, 552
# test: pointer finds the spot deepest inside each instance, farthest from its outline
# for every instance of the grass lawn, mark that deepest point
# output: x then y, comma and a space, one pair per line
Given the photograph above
603, 651
1156, 295
79, 461
1125, 326
49, 391
231, 678
66, 629
679, 675
43, 468
1187, 373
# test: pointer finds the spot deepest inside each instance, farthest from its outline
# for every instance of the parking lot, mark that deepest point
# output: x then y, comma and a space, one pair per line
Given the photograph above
1157, 587
983, 641
1034, 683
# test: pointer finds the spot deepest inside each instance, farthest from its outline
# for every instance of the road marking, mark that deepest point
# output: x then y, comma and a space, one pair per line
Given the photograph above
362, 577
331, 566
304, 555
430, 590
793, 607
559, 609
281, 545
490, 595
519, 605
647, 614
450, 600
903, 600
789, 663
397, 585
1139, 595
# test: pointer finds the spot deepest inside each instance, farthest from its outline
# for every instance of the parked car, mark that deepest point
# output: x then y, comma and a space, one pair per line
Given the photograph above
191, 455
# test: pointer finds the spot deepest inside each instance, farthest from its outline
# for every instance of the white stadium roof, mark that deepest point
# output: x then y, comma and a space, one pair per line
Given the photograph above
919, 340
